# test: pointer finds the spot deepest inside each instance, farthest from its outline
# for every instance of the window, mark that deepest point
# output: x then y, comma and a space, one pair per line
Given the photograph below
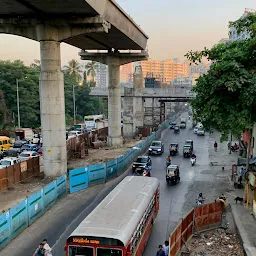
80, 251
1, 143
109, 252
5, 142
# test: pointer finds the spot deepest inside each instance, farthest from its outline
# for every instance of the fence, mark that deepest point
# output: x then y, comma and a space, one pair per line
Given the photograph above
15, 220
19, 172
198, 219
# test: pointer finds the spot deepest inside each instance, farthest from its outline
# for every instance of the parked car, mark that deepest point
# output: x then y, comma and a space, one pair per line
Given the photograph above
19, 143
74, 133
40, 151
25, 155
156, 147
200, 131
140, 163
29, 147
195, 129
8, 161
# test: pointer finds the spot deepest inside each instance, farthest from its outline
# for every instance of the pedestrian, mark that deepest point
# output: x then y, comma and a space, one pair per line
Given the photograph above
47, 248
40, 251
241, 174
160, 252
215, 145
166, 248
229, 144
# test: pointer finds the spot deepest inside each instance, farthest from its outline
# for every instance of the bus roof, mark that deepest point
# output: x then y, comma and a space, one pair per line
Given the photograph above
118, 215
4, 138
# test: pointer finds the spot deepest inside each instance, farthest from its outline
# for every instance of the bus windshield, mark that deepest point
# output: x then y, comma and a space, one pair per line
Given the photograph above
89, 251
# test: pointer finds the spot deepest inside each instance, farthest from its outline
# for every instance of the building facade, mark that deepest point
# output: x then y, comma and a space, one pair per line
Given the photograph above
102, 75
126, 73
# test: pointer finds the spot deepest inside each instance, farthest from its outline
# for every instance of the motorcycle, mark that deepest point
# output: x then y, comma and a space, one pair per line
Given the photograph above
199, 202
193, 161
234, 148
146, 172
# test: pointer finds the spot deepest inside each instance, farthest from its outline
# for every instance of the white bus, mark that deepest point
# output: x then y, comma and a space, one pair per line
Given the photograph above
120, 225
92, 120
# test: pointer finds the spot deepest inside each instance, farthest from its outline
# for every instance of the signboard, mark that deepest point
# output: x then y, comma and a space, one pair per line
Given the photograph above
23, 166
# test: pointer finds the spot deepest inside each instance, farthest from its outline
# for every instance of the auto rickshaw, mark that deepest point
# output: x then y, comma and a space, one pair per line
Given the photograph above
190, 142
187, 151
172, 174
174, 149
176, 129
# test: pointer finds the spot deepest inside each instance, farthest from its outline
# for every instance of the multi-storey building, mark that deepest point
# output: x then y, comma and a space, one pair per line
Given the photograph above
102, 75
234, 35
126, 73
164, 70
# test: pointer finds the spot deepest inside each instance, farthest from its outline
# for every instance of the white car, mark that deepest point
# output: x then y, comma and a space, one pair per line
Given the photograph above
195, 130
200, 131
28, 155
8, 161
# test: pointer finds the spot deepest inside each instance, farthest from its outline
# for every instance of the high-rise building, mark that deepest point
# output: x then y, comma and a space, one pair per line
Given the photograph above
126, 73
234, 35
102, 75
164, 70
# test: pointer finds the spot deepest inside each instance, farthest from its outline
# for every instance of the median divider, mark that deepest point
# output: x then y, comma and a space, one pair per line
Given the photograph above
22, 215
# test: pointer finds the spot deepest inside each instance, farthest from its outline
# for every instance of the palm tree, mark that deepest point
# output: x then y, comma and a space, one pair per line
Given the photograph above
74, 69
36, 65
91, 68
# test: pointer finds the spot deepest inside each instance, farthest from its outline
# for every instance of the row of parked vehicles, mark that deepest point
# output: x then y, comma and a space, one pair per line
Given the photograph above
19, 151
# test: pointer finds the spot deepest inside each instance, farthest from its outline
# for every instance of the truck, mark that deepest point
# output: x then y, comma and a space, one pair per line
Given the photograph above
24, 133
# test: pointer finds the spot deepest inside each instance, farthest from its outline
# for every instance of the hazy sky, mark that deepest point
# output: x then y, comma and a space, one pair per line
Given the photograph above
173, 27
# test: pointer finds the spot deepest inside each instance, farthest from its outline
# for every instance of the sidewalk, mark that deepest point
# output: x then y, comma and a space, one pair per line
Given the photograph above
244, 221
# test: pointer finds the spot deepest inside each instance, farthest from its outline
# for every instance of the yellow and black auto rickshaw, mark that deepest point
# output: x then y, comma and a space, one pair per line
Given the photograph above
187, 151
174, 149
172, 174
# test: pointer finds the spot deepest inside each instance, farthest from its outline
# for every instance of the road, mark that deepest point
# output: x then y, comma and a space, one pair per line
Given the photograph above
177, 200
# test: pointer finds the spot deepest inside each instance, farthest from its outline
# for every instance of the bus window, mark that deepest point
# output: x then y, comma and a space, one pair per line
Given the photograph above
80, 251
108, 252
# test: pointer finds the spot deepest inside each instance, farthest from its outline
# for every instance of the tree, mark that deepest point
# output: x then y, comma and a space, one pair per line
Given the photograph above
226, 95
91, 68
74, 69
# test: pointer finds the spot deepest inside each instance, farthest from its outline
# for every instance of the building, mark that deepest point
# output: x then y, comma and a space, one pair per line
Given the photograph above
234, 35
165, 70
102, 75
201, 69
223, 41
126, 73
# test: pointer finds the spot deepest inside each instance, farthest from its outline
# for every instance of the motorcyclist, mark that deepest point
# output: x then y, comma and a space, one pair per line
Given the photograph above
147, 169
168, 160
193, 155
200, 197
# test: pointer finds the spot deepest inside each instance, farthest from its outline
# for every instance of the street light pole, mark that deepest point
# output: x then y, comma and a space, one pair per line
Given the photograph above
74, 103
18, 102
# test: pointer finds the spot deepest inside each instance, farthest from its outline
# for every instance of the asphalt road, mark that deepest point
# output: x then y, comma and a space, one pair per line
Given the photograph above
177, 200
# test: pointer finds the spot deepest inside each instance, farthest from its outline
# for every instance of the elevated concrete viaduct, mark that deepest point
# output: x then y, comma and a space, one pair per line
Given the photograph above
86, 24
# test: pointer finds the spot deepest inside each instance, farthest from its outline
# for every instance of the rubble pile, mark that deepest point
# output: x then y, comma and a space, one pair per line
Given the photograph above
216, 242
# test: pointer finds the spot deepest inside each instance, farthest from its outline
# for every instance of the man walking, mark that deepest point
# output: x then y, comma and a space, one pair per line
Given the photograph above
48, 249
160, 252
40, 251
215, 145
166, 248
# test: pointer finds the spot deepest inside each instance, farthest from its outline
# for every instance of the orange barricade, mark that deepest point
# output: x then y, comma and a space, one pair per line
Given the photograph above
199, 218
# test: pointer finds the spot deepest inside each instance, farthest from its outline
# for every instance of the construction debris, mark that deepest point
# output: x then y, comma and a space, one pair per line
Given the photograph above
216, 242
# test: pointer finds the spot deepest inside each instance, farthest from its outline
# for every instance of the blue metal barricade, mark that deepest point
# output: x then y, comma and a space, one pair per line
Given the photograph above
97, 173
50, 196
5, 229
61, 186
111, 169
79, 179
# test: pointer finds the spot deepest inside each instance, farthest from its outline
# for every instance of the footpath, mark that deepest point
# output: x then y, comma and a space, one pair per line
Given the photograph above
244, 221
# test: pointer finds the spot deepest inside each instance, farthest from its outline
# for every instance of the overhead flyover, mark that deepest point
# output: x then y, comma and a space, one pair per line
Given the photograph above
86, 24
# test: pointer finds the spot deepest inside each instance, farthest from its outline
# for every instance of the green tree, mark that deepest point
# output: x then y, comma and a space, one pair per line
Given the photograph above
28, 79
226, 95
74, 69
36, 65
91, 68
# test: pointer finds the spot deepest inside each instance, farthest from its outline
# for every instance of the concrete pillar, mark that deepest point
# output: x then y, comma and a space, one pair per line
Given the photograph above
52, 108
114, 102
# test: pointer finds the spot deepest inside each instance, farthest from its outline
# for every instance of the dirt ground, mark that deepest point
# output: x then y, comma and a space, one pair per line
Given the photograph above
218, 242
10, 197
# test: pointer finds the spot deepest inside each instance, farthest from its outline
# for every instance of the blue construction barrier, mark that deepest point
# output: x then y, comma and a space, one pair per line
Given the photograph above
5, 229
61, 186
78, 179
97, 173
120, 165
19, 218
35, 206
111, 169
49, 194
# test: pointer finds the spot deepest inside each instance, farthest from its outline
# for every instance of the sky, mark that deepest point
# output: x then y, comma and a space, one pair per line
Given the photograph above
174, 27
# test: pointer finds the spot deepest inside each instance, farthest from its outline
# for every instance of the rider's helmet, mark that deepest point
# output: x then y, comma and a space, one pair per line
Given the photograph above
200, 195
